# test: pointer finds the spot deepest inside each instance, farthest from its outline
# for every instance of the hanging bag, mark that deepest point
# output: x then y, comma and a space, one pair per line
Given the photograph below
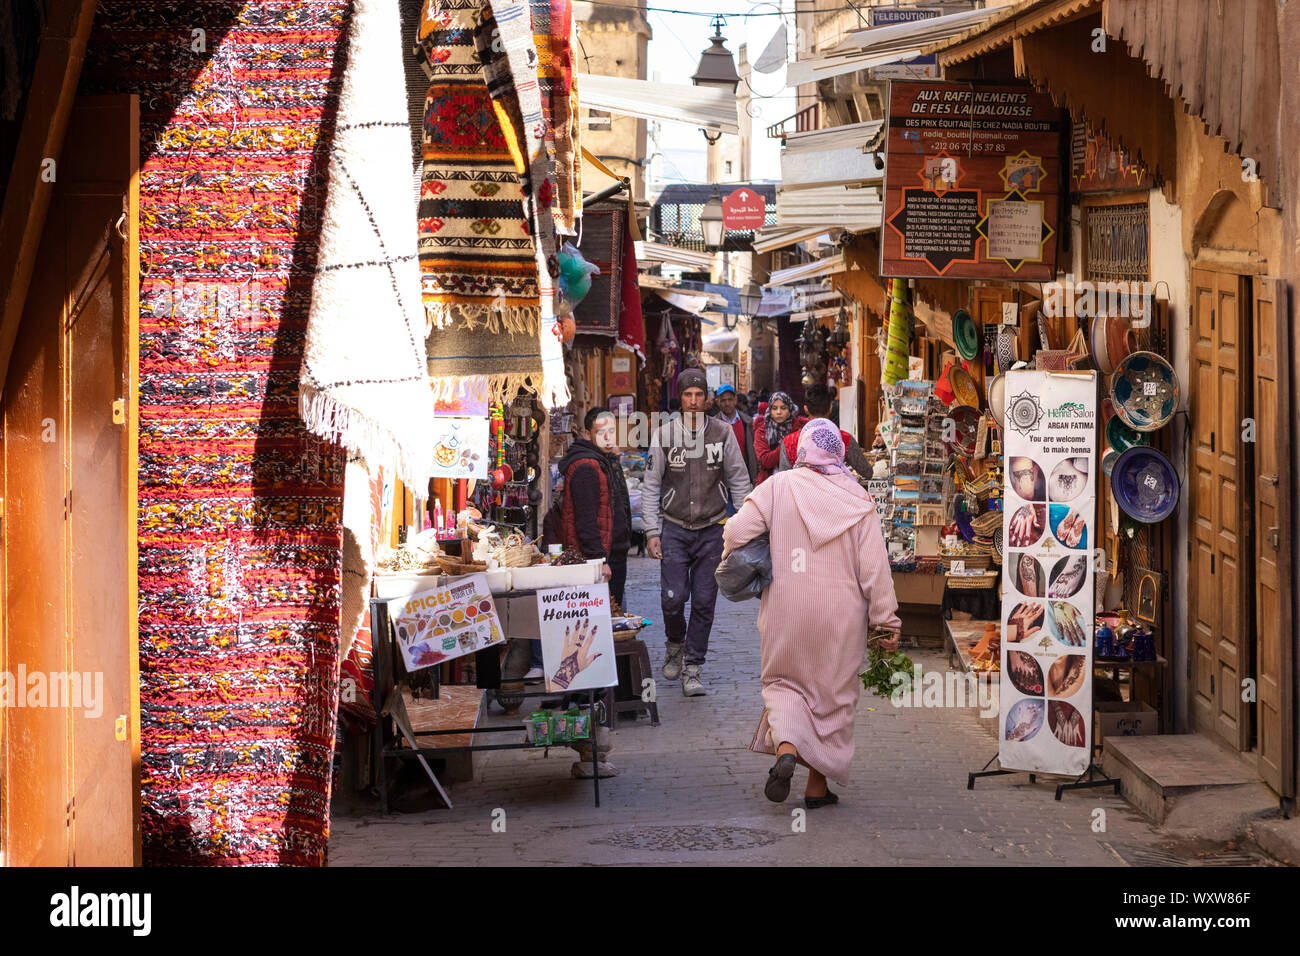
745, 572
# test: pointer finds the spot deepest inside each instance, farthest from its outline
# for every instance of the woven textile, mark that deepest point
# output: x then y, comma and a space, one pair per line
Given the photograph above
552, 27
364, 382
506, 46
240, 508
477, 253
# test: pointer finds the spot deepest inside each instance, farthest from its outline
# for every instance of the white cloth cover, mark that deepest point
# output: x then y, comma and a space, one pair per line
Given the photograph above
364, 383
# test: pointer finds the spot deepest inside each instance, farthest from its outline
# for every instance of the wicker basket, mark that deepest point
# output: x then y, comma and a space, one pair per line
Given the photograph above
516, 553
972, 582
452, 565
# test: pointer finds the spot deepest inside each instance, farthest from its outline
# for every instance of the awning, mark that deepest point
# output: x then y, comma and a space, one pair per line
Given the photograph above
778, 237
815, 314
808, 270
701, 106
856, 210
880, 46
696, 303
650, 253
838, 155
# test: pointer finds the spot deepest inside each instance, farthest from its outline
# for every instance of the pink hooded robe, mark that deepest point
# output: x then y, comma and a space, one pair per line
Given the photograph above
831, 585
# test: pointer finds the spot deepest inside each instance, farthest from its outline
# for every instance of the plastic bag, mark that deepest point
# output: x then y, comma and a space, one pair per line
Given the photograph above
746, 572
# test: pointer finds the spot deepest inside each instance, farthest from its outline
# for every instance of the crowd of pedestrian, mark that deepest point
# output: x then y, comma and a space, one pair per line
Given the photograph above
721, 472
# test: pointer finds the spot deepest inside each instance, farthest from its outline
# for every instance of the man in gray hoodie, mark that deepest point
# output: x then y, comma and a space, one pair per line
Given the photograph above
691, 467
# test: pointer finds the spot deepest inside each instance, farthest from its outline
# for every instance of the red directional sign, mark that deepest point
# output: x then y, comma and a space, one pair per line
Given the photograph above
743, 210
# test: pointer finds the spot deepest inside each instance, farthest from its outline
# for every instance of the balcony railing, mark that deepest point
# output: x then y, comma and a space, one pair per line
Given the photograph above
804, 121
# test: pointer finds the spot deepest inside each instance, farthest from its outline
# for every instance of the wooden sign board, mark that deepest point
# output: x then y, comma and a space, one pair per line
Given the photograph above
972, 182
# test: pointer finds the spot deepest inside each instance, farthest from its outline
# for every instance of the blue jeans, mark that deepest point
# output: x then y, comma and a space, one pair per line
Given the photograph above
686, 570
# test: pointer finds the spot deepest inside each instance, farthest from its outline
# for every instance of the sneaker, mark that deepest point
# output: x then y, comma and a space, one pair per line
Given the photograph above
673, 660
534, 673
691, 685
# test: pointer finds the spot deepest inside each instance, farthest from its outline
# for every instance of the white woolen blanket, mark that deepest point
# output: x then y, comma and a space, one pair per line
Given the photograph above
364, 382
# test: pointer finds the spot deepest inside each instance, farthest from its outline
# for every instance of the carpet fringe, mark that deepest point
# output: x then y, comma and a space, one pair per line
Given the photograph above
512, 320
342, 424
500, 387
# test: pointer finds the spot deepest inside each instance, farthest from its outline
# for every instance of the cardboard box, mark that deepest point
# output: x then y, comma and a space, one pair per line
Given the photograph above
1124, 719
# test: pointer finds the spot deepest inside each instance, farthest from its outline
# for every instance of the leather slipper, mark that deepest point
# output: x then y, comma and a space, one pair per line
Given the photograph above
778, 778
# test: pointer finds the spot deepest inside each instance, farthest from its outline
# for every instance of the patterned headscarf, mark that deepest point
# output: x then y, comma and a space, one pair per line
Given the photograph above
776, 431
821, 448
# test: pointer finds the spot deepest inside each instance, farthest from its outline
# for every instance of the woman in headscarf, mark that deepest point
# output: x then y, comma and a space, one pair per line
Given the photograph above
770, 430
831, 585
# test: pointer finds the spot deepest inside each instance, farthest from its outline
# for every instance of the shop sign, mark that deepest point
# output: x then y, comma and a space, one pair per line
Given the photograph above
446, 622
917, 68
971, 182
1045, 725
460, 448
577, 637
1098, 166
743, 210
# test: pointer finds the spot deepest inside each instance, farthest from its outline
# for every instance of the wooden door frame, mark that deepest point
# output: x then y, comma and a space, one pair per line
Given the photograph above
1226, 266
1283, 481
128, 231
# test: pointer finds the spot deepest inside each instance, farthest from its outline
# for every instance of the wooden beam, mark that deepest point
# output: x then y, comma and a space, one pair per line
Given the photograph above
45, 120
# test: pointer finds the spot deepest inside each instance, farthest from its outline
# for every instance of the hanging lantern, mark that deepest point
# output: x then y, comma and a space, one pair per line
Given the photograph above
841, 337
711, 221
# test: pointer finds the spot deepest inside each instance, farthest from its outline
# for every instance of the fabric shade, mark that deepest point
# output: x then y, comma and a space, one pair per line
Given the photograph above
880, 46
703, 106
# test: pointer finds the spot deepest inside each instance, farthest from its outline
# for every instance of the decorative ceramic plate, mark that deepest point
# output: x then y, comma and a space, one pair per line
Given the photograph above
1145, 390
964, 334
967, 420
1121, 438
1145, 485
963, 387
998, 399
1112, 339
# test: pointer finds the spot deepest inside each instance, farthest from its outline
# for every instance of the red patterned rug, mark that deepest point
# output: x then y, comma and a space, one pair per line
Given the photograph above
240, 509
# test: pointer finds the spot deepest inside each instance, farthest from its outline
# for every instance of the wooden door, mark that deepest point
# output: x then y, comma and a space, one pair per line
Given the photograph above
1272, 478
71, 767
1219, 572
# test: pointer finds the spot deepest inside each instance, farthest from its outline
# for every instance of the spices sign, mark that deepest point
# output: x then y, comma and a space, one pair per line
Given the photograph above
446, 622
971, 182
1048, 530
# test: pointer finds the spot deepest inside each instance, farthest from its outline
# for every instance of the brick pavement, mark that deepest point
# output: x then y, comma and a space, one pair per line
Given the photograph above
691, 792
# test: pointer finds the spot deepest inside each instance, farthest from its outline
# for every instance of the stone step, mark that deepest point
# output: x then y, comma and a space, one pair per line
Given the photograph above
1157, 770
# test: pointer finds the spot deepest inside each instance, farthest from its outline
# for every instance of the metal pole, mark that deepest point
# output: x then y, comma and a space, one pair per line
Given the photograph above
595, 743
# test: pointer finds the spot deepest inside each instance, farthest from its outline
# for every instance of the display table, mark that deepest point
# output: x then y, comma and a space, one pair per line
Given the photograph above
392, 729
960, 635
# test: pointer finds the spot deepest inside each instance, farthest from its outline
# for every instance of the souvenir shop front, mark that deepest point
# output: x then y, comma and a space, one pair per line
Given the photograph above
1026, 422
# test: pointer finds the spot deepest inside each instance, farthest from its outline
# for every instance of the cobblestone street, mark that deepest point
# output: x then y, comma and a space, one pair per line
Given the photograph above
690, 791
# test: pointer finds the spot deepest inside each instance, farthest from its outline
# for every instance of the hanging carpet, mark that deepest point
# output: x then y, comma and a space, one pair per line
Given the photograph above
239, 507
477, 258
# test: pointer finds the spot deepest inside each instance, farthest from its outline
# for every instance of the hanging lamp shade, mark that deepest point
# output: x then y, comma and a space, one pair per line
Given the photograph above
717, 67
711, 221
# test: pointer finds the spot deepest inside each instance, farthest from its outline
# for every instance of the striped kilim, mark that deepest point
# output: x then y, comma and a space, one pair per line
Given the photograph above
477, 257
476, 250
240, 509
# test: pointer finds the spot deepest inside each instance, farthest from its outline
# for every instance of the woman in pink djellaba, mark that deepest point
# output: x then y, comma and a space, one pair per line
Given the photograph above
831, 587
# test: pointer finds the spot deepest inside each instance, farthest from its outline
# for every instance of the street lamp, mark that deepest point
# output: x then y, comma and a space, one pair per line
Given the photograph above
751, 297
711, 221
717, 68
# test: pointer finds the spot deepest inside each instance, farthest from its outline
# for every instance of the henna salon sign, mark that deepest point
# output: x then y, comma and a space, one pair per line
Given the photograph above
971, 182
577, 637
